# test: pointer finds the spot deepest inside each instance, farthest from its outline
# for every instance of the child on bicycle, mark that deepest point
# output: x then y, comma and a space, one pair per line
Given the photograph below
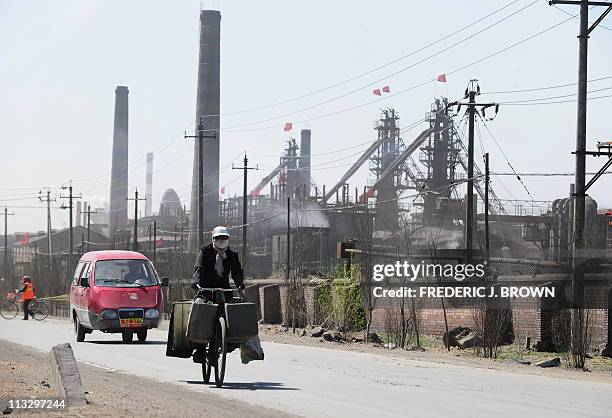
27, 295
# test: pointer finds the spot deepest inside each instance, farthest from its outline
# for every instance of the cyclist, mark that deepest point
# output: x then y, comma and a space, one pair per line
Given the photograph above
216, 261
27, 296
213, 266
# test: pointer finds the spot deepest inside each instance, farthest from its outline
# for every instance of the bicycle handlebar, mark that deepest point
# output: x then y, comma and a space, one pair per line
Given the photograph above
214, 289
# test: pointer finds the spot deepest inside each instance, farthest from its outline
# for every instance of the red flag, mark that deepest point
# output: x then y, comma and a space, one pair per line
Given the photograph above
222, 190
159, 242
441, 78
25, 240
376, 92
288, 127
386, 89
255, 192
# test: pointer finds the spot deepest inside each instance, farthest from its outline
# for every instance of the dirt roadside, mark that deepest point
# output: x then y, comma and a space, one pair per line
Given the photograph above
278, 334
25, 373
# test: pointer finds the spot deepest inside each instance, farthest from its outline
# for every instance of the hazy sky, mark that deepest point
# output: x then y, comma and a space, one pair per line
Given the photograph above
61, 60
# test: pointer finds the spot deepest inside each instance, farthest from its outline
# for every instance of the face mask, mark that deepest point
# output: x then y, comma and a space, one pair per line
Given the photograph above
221, 244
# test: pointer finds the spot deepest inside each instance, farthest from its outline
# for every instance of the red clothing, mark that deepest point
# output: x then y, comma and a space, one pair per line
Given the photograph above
27, 292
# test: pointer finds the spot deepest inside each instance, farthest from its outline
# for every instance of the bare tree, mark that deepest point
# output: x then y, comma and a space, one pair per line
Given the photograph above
364, 229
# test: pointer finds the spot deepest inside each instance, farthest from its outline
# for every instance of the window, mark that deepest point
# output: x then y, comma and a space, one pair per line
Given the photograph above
77, 273
125, 273
86, 271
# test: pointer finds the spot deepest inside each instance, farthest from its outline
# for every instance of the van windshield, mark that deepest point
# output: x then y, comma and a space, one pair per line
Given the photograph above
125, 273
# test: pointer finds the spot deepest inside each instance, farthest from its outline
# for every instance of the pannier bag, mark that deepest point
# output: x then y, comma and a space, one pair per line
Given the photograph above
201, 323
241, 321
251, 350
178, 345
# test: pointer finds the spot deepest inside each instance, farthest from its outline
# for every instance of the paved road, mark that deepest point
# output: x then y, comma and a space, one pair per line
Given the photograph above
320, 382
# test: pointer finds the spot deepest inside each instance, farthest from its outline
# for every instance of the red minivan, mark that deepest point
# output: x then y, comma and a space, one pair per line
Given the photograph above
117, 292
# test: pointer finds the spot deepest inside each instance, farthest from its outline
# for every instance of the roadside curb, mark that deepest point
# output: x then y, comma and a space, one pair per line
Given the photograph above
66, 373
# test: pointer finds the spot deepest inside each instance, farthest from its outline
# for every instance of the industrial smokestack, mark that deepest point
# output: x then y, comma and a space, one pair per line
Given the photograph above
207, 112
304, 162
149, 191
78, 213
118, 214
84, 214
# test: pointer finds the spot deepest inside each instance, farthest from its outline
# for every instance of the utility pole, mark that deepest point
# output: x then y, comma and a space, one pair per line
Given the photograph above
200, 137
5, 266
580, 173
290, 290
150, 234
472, 90
154, 241
136, 199
70, 198
48, 200
245, 169
486, 208
89, 212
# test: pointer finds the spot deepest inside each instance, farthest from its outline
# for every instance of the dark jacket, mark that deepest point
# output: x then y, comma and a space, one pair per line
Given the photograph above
205, 274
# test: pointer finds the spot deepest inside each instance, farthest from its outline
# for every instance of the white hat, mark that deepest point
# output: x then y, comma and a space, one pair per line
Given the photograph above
220, 231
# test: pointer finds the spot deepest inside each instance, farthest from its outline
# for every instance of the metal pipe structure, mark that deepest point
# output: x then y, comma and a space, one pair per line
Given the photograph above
264, 182
414, 145
353, 169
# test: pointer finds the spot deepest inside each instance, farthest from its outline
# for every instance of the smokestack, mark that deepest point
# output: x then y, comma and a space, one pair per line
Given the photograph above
78, 213
304, 162
208, 103
84, 214
118, 210
149, 191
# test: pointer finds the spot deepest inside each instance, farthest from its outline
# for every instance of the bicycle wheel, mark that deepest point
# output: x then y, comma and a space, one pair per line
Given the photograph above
40, 310
220, 351
207, 363
9, 310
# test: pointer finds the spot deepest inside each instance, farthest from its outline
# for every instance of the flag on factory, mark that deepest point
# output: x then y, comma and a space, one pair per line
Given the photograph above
376, 92
25, 240
222, 190
441, 78
288, 127
386, 89
255, 192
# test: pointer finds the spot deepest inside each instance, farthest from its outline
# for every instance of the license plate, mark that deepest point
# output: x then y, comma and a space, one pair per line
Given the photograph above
130, 322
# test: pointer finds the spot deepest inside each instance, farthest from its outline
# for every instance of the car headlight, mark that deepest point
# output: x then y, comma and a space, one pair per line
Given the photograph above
109, 314
151, 313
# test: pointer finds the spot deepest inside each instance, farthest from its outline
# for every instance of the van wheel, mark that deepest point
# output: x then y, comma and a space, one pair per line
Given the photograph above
127, 336
79, 330
142, 335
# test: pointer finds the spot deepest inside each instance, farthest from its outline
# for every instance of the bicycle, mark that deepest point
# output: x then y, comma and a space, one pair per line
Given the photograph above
9, 309
215, 351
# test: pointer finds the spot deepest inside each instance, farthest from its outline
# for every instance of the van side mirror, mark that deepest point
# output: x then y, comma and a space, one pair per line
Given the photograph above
165, 281
84, 282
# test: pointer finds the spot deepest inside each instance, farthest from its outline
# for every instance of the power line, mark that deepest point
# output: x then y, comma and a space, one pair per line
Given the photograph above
414, 87
334, 85
401, 70
544, 88
568, 13
566, 174
552, 97
554, 101
518, 177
